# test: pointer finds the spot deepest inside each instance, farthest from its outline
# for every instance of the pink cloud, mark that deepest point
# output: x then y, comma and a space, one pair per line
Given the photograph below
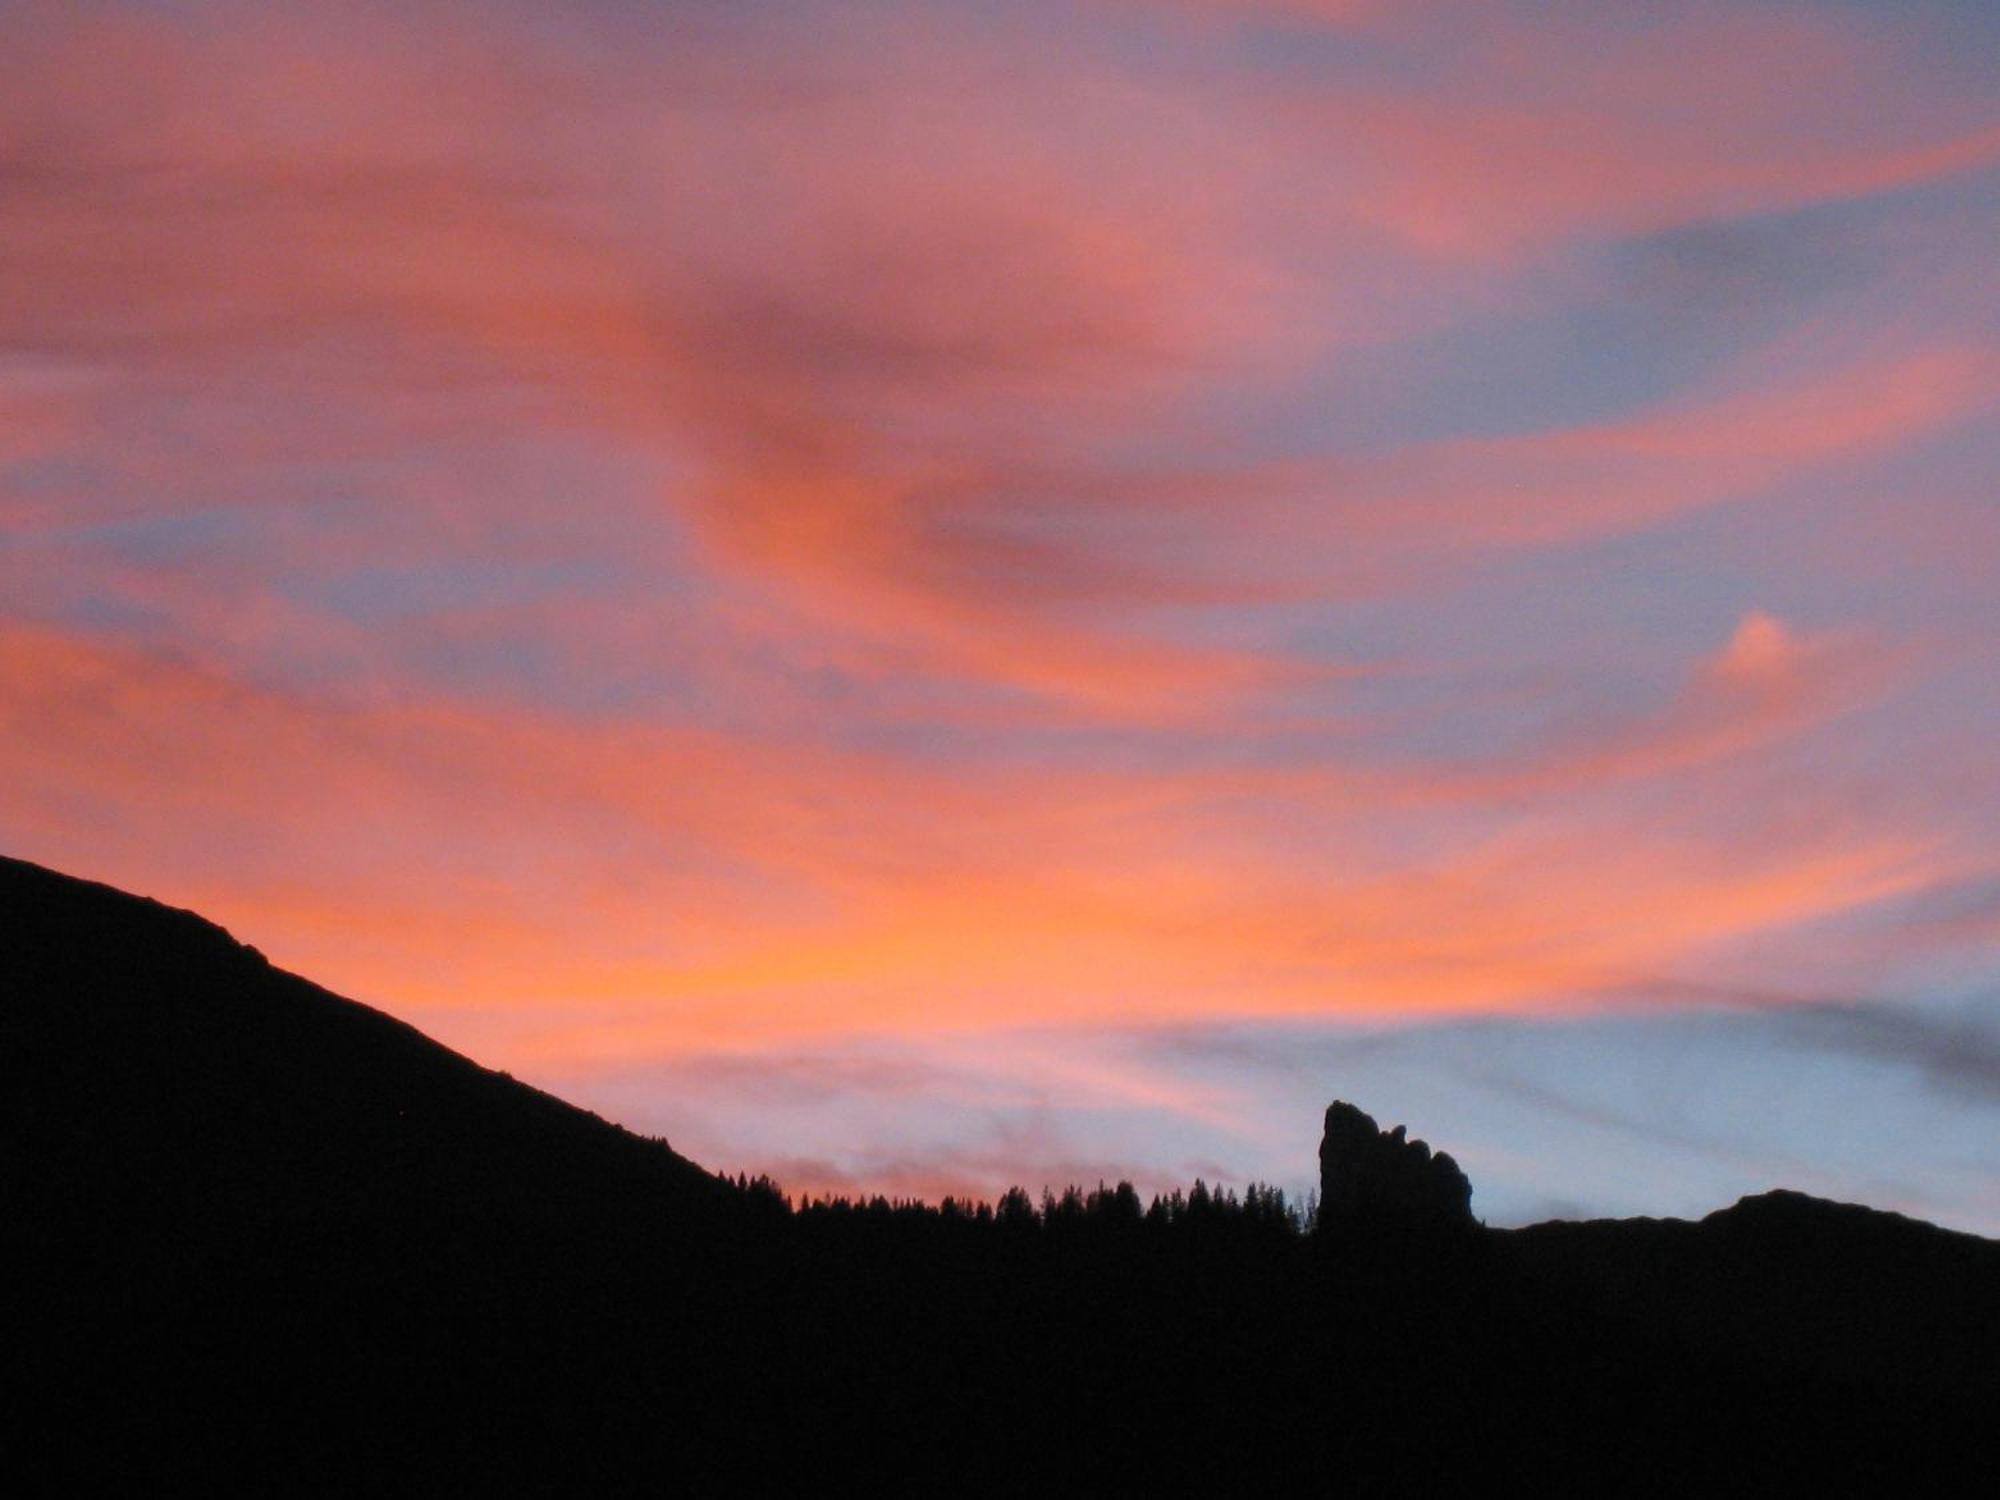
868, 320
1456, 500
1510, 126
837, 319
1767, 684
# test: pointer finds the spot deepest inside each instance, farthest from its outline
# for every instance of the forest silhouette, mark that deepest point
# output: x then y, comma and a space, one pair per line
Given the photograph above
263, 1233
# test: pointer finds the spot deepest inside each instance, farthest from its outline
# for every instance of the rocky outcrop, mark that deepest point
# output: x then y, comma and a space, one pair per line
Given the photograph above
1375, 1184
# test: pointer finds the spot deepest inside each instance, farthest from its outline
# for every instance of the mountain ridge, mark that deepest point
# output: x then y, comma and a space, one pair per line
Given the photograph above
163, 1086
17, 874
257, 1213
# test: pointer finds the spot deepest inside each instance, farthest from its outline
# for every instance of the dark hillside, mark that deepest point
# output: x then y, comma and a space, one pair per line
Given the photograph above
1817, 1285
165, 1068
238, 1202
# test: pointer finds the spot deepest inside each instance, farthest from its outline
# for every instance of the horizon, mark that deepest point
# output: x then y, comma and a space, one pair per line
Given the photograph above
928, 597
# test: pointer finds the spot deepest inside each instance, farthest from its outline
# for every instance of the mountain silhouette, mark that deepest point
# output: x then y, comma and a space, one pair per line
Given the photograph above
1817, 1285
259, 1232
1380, 1187
156, 1066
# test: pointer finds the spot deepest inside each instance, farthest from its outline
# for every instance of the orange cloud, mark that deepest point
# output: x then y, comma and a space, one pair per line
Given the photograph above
659, 891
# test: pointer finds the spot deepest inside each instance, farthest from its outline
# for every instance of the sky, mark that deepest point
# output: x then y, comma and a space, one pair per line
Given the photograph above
919, 596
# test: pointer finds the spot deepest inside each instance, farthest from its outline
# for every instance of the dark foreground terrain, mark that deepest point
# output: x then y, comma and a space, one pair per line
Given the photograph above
256, 1231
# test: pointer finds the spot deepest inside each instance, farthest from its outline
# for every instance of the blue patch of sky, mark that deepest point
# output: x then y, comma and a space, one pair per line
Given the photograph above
166, 539
1600, 331
384, 594
1662, 1111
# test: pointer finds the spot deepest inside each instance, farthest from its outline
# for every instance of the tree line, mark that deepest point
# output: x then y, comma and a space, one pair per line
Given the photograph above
1261, 1211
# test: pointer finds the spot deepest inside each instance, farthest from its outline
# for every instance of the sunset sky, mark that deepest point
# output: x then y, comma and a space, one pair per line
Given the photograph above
925, 595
